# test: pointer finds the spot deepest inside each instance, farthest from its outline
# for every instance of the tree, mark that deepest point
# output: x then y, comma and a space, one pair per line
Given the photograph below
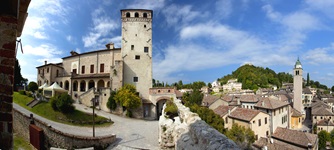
323, 136
209, 85
128, 97
332, 88
244, 137
111, 104
18, 79
62, 103
32, 86
194, 97
332, 138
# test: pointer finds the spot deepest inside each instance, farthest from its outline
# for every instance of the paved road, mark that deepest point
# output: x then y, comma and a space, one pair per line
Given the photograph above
130, 133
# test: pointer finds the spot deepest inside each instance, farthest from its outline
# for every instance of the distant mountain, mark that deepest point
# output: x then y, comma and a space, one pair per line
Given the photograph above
253, 77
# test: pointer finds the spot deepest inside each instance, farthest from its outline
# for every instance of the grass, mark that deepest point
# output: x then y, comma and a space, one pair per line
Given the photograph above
45, 110
20, 143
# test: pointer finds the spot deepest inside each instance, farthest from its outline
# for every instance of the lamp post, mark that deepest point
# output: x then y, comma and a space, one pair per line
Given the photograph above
93, 101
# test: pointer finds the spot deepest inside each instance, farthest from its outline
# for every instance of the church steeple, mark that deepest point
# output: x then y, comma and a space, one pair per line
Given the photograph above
298, 64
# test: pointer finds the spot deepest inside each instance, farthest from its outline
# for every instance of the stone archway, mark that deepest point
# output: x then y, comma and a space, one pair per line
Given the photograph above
67, 85
100, 84
159, 105
91, 84
83, 86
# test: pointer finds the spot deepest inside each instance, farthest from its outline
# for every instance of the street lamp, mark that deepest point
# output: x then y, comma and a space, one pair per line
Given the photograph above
93, 101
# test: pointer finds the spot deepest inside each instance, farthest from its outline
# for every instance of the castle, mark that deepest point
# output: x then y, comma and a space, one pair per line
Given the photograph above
93, 74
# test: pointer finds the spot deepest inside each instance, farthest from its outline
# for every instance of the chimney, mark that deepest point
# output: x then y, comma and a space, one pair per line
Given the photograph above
229, 112
238, 101
45, 62
262, 103
110, 46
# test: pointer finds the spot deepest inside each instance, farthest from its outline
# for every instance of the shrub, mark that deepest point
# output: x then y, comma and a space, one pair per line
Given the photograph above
129, 113
29, 94
111, 104
171, 109
22, 92
62, 103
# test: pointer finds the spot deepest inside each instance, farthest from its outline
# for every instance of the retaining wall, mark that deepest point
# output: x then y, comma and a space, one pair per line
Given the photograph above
56, 138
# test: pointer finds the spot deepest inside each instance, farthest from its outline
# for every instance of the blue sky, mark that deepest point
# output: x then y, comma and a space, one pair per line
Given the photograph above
193, 40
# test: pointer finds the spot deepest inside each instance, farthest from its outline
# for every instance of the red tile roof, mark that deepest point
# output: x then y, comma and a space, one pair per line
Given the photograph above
270, 103
223, 110
298, 138
244, 114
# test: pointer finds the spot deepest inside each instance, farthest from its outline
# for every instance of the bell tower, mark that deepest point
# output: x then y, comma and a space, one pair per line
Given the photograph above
298, 87
137, 49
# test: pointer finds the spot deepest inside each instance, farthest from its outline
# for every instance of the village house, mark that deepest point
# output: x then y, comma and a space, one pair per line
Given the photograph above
232, 85
212, 101
277, 110
256, 120
287, 139
307, 97
223, 111
321, 111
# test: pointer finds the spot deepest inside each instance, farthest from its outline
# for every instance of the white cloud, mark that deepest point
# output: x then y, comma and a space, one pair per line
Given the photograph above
147, 4
177, 14
325, 6
35, 26
44, 50
271, 14
102, 28
224, 8
320, 55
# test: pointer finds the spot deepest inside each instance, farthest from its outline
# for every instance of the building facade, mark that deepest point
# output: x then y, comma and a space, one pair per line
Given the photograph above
86, 75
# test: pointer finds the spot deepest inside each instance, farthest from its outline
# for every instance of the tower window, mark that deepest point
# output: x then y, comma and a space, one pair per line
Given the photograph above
127, 14
132, 47
137, 57
146, 49
136, 15
297, 72
145, 15
91, 68
82, 69
135, 79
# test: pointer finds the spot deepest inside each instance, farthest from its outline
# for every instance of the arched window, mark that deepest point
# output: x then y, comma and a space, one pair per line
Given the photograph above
136, 15
127, 14
145, 15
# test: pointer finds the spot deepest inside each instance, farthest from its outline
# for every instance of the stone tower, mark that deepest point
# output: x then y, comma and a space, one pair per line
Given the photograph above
137, 49
298, 86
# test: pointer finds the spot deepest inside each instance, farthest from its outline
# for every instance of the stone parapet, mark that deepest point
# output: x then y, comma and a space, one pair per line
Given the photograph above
188, 131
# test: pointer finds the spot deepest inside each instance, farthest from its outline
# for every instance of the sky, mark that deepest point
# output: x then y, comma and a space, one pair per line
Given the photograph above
193, 40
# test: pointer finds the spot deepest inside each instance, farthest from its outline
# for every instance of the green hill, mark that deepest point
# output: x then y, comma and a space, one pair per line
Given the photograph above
253, 77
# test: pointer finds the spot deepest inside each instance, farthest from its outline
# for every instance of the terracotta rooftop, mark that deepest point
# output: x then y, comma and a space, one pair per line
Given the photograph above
325, 122
223, 110
321, 111
209, 99
270, 103
243, 98
270, 146
300, 139
244, 114
295, 113
307, 91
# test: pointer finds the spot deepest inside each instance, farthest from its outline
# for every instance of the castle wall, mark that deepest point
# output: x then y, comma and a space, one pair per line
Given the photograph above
188, 131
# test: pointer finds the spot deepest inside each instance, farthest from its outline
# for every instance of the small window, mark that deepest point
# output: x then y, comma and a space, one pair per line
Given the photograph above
137, 57
127, 14
168, 91
135, 79
226, 120
47, 70
101, 68
158, 91
146, 49
132, 47
265, 120
145, 26
136, 15
145, 15
74, 70
267, 133
91, 68
254, 122
259, 122
82, 69
315, 117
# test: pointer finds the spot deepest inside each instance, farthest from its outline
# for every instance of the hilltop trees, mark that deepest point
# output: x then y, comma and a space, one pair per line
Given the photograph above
18, 79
